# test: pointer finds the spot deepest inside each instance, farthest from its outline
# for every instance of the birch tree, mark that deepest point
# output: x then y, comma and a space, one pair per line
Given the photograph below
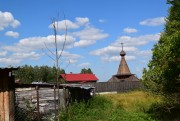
57, 53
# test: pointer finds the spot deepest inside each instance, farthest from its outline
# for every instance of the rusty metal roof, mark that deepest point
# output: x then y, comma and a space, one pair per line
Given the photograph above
79, 77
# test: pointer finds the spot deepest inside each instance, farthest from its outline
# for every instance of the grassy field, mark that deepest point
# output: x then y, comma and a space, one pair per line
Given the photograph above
131, 106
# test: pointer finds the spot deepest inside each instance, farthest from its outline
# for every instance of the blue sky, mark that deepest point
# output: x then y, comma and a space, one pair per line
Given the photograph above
95, 30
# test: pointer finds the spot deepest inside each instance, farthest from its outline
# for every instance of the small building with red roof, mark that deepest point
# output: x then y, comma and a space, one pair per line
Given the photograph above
79, 78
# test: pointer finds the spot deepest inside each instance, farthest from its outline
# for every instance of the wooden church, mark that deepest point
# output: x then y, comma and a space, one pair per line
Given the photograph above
123, 73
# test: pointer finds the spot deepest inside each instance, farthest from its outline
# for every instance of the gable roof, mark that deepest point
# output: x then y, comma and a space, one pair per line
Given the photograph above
79, 77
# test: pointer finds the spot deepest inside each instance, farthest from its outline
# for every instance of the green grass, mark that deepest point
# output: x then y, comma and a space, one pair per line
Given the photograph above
132, 106
136, 101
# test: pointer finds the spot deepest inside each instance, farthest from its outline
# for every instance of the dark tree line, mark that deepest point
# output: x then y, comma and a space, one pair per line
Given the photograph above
86, 71
28, 74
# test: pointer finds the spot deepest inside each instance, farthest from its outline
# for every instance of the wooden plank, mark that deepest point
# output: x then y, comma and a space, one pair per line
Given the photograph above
12, 106
2, 106
6, 106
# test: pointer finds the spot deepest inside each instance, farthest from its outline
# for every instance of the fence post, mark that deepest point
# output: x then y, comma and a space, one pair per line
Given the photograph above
58, 102
37, 94
55, 102
7, 91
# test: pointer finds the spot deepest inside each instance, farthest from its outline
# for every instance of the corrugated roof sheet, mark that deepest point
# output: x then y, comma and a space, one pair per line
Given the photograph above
81, 86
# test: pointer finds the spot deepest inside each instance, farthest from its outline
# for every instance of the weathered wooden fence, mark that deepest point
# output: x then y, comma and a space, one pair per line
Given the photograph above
116, 86
37, 103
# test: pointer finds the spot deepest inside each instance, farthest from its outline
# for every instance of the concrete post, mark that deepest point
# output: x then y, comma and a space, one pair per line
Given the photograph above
7, 91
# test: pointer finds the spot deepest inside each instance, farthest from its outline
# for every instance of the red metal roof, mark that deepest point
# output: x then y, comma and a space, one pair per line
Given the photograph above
79, 77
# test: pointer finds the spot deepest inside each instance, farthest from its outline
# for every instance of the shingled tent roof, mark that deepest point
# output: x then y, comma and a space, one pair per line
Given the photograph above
123, 67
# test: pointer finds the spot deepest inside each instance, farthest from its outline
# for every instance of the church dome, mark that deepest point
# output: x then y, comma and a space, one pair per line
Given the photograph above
122, 53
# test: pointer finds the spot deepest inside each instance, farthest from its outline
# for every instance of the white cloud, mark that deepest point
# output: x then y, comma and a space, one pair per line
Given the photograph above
145, 52
89, 36
15, 23
17, 48
117, 58
112, 58
3, 53
71, 25
34, 43
63, 24
130, 30
84, 43
7, 19
12, 34
70, 56
109, 50
153, 21
129, 57
31, 48
17, 58
91, 33
9, 61
84, 64
23, 55
136, 41
82, 21
72, 61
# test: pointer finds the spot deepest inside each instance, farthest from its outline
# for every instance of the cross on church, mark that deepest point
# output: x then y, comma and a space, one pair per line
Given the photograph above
122, 45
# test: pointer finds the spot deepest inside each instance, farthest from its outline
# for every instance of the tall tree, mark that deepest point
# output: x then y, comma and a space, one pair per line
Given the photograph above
163, 75
57, 52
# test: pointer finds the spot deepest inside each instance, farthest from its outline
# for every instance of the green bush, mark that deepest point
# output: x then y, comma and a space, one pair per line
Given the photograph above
165, 112
87, 111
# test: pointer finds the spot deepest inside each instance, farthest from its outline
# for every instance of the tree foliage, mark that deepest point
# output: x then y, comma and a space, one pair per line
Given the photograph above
163, 75
28, 74
86, 71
